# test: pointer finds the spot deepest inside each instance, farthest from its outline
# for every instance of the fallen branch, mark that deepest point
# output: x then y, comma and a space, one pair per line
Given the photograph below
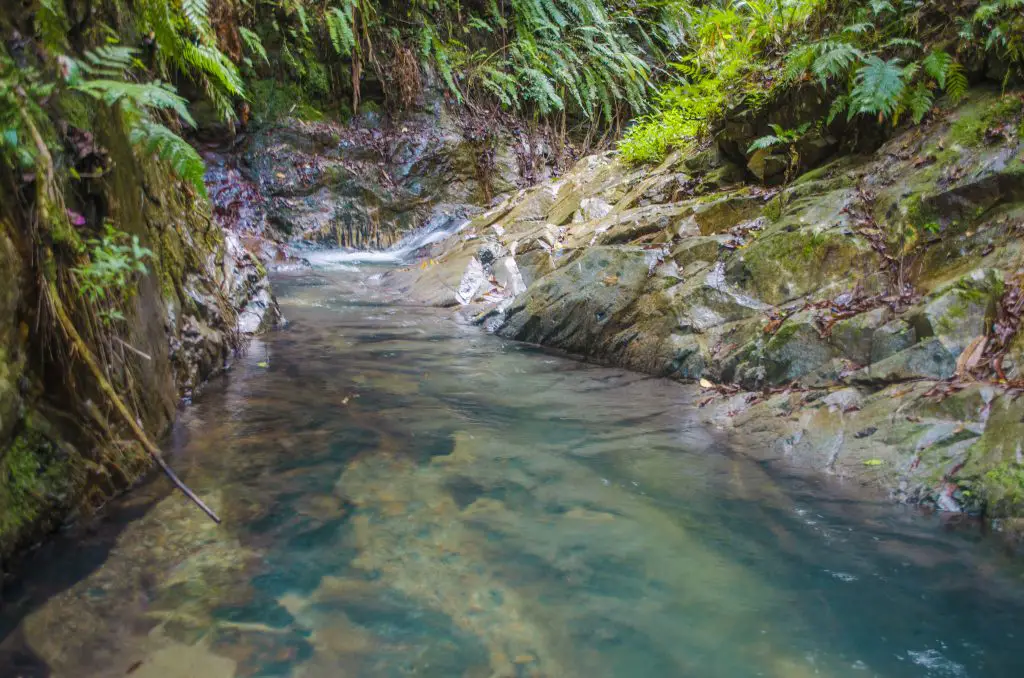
108, 390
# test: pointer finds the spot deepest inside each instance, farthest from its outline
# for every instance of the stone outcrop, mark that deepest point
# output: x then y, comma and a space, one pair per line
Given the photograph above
870, 275
365, 187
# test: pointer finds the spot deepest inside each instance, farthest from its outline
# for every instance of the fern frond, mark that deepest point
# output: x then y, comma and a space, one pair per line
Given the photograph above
878, 87
339, 29
215, 64
149, 96
834, 60
956, 82
253, 43
197, 12
918, 100
152, 137
936, 65
839, 105
902, 42
765, 142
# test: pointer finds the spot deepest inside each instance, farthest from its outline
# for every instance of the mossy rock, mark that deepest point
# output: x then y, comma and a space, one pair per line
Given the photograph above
995, 467
796, 349
40, 481
577, 307
853, 337
11, 355
962, 311
791, 262
697, 249
718, 216
928, 359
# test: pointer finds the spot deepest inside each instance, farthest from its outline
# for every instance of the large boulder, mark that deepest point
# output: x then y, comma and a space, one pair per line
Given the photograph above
796, 349
961, 312
574, 306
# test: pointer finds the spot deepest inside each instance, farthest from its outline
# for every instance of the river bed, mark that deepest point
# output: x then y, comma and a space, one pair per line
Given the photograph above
404, 495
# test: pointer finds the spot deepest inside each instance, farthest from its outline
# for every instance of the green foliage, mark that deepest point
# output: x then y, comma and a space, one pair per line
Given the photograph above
114, 260
782, 137
877, 58
138, 103
186, 44
878, 87
253, 43
999, 25
727, 44
339, 28
156, 139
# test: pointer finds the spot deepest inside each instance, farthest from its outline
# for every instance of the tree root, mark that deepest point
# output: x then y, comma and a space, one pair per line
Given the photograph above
108, 390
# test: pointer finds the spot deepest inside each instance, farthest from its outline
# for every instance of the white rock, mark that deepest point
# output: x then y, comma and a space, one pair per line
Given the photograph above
590, 209
506, 272
472, 280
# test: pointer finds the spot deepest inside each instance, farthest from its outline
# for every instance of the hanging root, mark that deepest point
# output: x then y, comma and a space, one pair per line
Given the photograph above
108, 390
51, 207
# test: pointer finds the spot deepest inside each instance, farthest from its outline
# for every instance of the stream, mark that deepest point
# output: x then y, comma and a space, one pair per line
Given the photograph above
404, 495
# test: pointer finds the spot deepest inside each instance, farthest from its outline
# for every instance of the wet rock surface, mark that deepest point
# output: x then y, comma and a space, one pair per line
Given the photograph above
874, 272
365, 187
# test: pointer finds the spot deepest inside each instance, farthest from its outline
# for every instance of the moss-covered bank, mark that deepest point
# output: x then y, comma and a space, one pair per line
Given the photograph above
63, 450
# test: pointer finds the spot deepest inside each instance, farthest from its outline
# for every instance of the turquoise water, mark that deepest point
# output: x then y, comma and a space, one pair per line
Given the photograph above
403, 495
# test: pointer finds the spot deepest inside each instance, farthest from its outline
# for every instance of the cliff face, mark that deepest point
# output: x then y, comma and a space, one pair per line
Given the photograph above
61, 445
860, 318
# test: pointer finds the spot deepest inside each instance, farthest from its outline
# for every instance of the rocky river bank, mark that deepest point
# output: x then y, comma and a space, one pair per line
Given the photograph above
859, 319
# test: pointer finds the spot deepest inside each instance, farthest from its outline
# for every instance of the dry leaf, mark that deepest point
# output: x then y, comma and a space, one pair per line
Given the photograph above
704, 383
971, 356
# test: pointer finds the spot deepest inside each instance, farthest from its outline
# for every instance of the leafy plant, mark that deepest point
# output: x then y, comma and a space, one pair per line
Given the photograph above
101, 74
114, 259
782, 137
999, 25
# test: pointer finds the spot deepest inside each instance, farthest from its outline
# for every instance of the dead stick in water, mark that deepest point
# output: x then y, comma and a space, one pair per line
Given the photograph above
122, 409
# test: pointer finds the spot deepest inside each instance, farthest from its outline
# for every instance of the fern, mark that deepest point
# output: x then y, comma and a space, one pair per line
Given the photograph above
936, 65
834, 60
878, 86
196, 12
339, 29
917, 100
154, 138
765, 142
956, 82
253, 43
150, 96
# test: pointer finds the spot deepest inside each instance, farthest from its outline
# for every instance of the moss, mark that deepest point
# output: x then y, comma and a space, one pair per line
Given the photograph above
773, 210
973, 121
1004, 488
273, 100
35, 478
785, 332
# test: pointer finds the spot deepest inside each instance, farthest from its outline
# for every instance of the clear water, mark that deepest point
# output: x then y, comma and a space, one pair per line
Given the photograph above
405, 496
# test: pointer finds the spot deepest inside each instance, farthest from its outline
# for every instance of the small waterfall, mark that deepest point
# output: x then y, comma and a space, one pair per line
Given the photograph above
445, 221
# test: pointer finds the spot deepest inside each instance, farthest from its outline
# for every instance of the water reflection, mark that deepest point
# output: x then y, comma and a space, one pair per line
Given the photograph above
404, 496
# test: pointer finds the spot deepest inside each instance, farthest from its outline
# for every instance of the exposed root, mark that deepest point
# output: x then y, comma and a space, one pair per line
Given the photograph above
105, 386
